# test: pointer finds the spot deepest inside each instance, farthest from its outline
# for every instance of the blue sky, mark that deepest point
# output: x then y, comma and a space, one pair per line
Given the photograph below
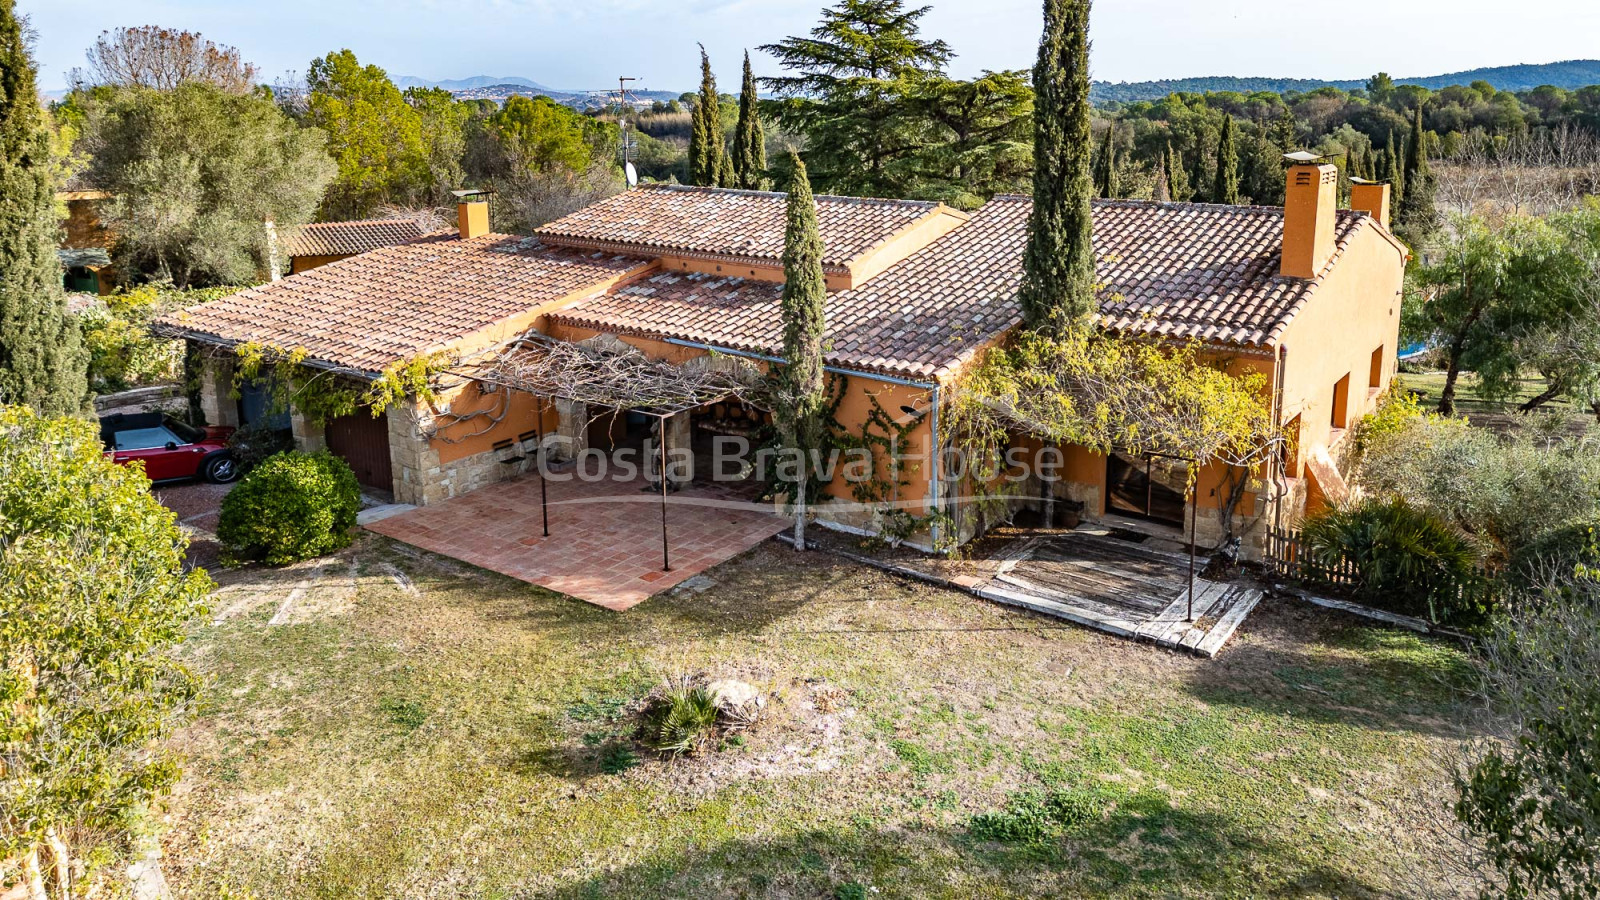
586, 44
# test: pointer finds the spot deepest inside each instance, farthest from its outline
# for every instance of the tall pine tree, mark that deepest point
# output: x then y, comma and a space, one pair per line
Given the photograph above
802, 406
749, 140
1058, 264
708, 163
1105, 168
42, 360
1226, 187
1416, 218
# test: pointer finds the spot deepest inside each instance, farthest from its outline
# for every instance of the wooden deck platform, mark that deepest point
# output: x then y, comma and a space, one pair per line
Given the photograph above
1102, 582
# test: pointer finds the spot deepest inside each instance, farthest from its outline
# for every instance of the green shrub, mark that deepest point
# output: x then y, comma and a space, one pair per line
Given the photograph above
294, 506
1033, 816
1406, 559
1559, 552
682, 719
122, 352
1502, 490
253, 445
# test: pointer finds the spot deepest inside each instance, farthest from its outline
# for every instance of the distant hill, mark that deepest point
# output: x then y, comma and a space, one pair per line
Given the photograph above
1569, 74
467, 84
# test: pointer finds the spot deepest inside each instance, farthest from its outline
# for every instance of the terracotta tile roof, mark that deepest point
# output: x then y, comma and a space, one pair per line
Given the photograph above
347, 238
1179, 270
728, 223
396, 303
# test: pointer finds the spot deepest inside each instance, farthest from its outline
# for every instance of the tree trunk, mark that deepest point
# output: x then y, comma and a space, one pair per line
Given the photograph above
1595, 408
63, 863
1550, 393
34, 877
1447, 397
800, 512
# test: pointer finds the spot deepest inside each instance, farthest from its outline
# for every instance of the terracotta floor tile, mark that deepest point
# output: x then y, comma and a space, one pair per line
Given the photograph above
605, 539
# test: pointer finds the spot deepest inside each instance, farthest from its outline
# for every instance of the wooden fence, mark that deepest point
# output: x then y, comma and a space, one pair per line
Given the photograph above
1289, 558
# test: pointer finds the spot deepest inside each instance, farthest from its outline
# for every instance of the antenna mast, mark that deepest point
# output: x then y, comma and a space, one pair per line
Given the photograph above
622, 114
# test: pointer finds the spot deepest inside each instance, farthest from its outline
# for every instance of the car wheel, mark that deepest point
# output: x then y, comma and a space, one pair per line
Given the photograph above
221, 469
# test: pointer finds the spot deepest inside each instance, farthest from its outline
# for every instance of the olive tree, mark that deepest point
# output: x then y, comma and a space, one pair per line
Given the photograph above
94, 599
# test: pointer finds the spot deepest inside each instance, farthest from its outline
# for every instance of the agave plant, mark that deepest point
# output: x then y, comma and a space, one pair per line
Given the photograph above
1406, 559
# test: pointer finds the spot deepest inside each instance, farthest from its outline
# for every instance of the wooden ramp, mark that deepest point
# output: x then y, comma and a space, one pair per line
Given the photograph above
1121, 588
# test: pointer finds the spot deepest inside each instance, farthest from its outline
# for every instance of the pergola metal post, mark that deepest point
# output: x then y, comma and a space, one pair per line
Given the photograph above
661, 472
539, 463
1194, 520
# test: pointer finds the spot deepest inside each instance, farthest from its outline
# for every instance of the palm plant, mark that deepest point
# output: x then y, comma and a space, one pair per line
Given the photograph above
1406, 559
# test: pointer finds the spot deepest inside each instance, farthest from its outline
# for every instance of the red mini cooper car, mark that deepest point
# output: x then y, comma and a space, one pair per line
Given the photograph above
168, 448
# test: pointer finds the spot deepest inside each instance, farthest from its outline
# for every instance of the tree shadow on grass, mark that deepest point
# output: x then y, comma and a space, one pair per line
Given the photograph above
1331, 668
1144, 847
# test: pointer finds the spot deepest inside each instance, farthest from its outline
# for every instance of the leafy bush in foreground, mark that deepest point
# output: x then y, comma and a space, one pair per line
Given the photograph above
1529, 793
1407, 560
294, 506
95, 597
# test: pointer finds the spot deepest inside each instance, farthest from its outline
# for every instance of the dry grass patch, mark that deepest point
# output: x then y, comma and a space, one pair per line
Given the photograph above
449, 732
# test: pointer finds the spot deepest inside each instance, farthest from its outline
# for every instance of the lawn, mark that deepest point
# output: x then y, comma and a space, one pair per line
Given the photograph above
412, 727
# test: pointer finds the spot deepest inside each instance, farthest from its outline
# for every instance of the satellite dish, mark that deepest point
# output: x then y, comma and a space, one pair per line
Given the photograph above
632, 173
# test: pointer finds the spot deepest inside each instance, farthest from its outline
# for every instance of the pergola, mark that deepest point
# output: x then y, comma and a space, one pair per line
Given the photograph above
623, 379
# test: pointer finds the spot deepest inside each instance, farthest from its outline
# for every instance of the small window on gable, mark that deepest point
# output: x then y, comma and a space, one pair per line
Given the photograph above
1341, 402
1375, 379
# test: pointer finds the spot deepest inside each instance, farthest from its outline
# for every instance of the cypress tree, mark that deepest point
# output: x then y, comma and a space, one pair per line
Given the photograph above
1393, 171
707, 153
1177, 180
1198, 192
1058, 264
1163, 186
42, 360
802, 406
1105, 173
1416, 216
1226, 188
749, 141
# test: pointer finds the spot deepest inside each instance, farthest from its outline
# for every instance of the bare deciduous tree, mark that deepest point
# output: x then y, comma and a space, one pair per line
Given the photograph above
532, 198
1529, 174
163, 58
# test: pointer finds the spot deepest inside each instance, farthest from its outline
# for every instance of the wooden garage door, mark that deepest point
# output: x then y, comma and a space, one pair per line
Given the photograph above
363, 442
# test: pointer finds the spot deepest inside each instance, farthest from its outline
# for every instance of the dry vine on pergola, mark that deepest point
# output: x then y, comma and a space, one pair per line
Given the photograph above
623, 381
620, 378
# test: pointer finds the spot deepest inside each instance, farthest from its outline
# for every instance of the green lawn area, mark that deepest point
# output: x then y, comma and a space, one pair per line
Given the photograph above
1468, 400
417, 728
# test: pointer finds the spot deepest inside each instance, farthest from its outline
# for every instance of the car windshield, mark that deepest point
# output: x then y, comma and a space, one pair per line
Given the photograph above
144, 438
187, 434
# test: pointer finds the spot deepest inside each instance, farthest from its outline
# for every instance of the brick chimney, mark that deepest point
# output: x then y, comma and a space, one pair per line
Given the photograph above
472, 218
1370, 197
1309, 200
472, 213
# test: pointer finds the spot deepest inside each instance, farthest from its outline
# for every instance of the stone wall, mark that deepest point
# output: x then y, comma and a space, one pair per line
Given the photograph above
217, 403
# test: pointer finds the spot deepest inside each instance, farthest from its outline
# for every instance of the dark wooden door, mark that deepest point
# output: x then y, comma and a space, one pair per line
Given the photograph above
363, 441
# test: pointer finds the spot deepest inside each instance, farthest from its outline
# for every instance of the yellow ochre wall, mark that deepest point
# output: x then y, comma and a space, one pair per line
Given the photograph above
1354, 311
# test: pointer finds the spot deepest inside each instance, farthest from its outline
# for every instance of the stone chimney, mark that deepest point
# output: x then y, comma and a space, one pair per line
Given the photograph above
1370, 197
1310, 197
472, 213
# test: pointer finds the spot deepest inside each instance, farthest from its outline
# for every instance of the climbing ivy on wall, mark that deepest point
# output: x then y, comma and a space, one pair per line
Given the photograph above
322, 394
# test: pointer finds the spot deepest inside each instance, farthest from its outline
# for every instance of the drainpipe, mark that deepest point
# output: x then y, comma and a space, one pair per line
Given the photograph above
1282, 478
